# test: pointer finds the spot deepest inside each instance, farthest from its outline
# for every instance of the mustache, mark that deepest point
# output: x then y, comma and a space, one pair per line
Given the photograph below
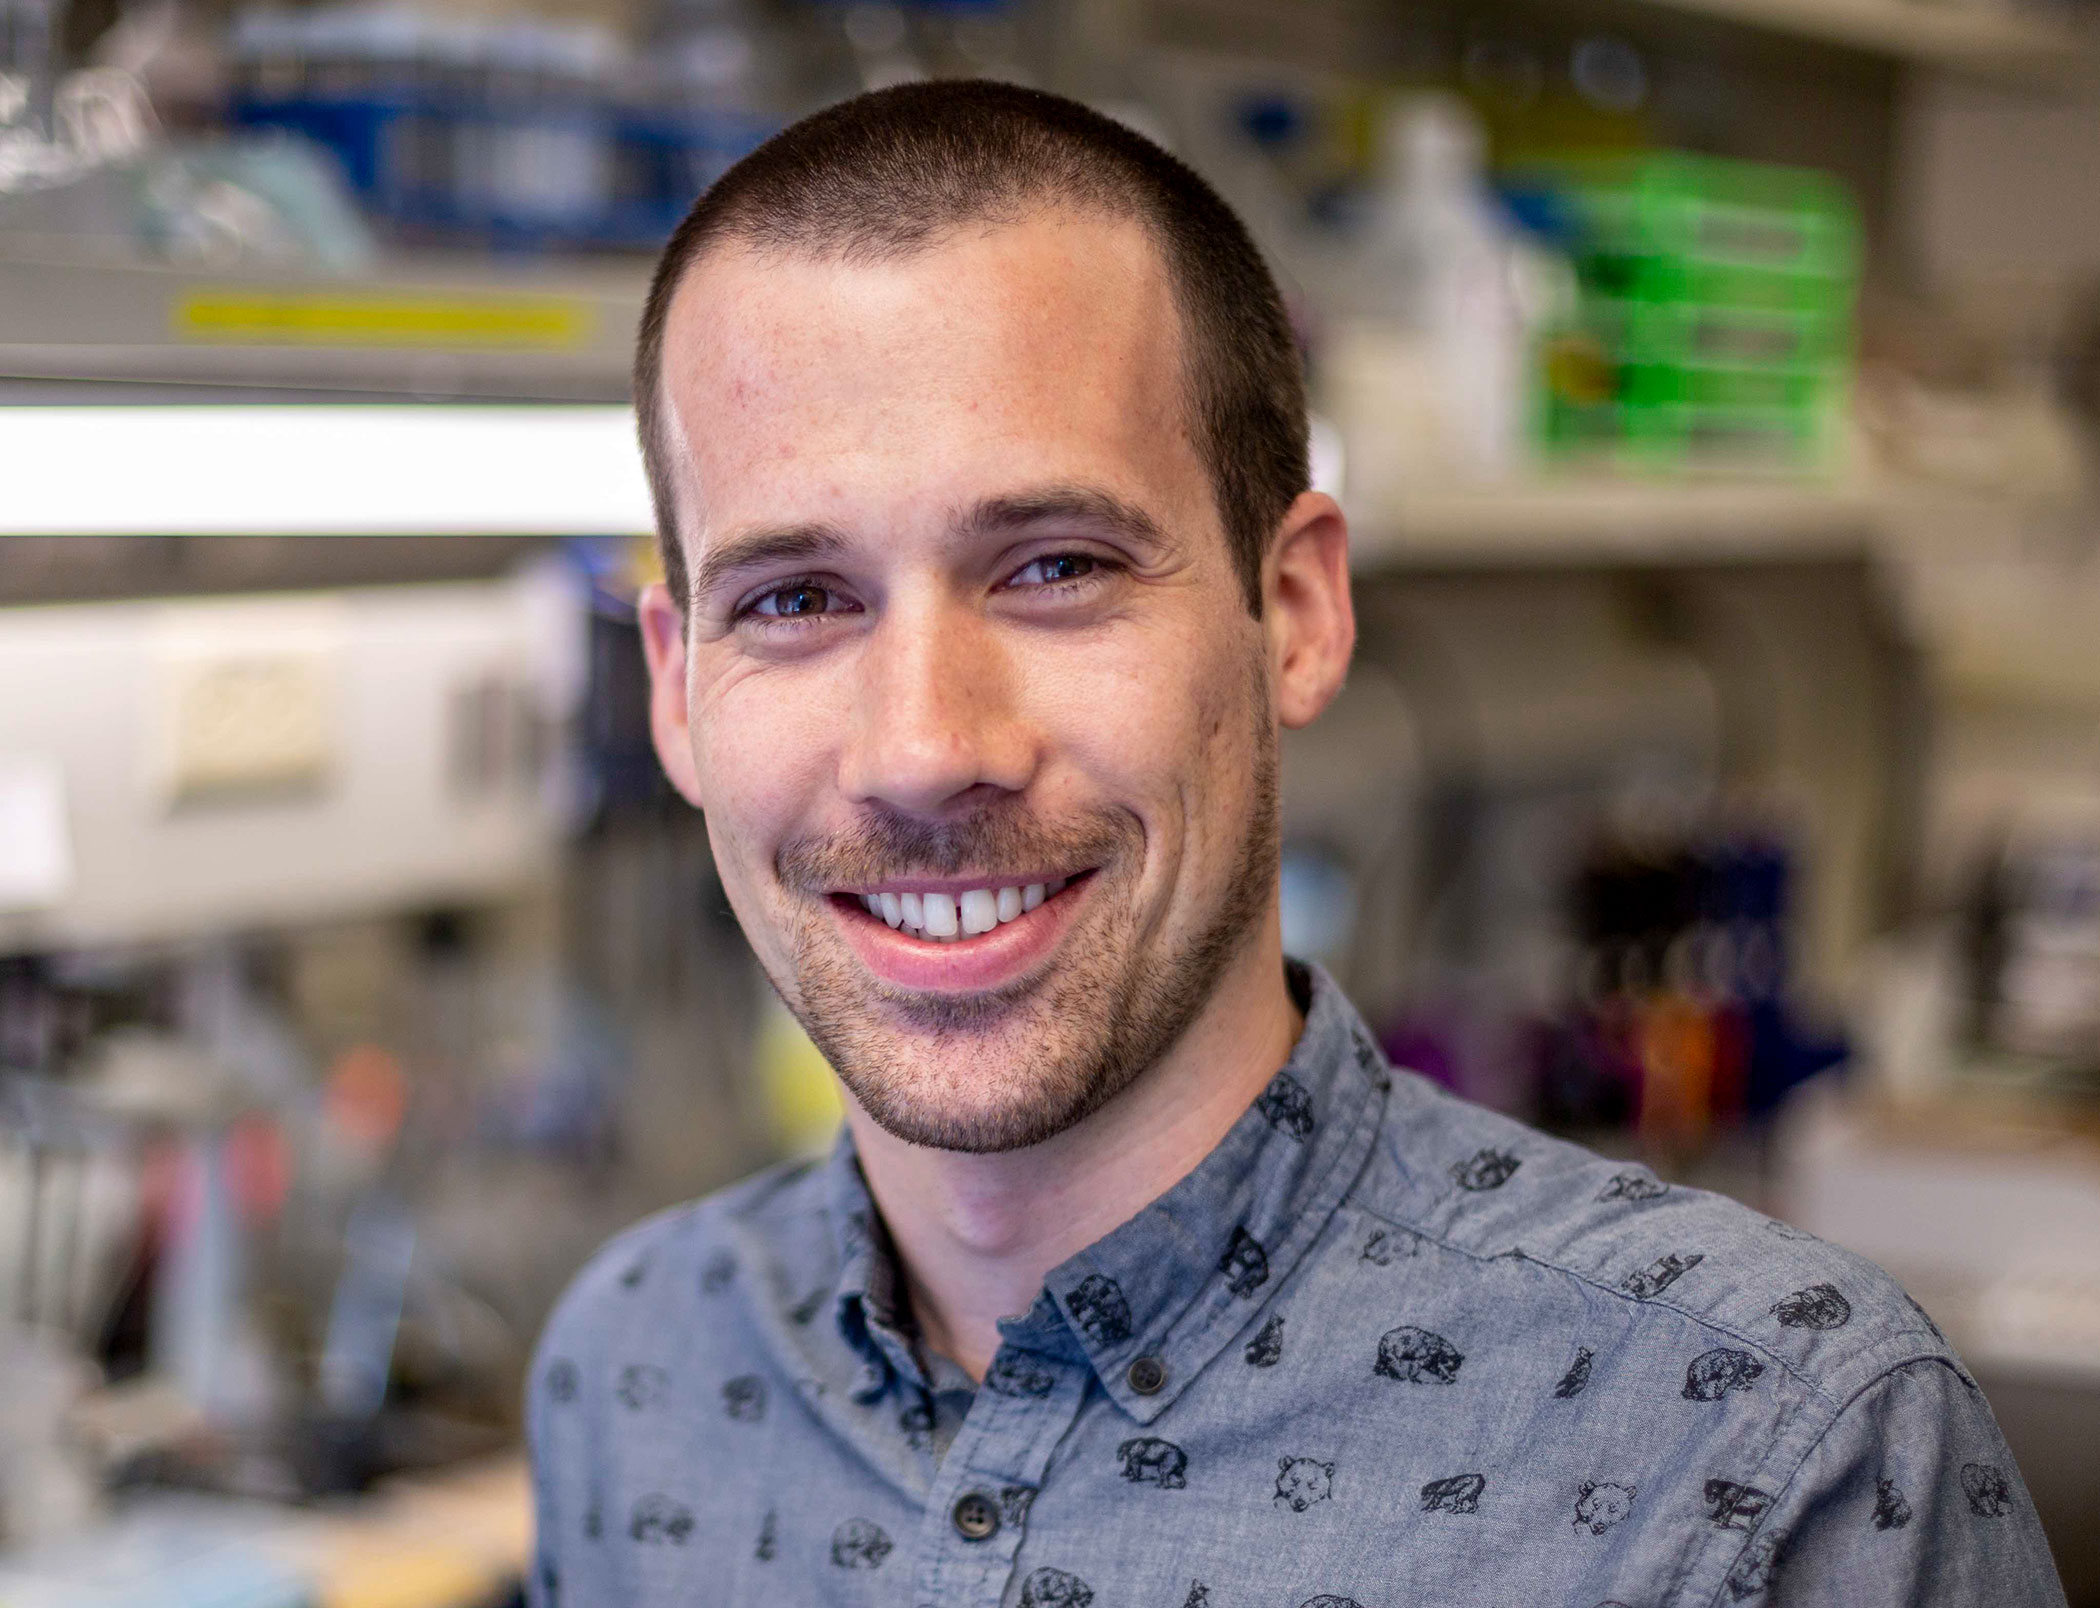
995, 840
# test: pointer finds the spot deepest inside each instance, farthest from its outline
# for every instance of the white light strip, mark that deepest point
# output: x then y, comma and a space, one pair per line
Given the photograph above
327, 470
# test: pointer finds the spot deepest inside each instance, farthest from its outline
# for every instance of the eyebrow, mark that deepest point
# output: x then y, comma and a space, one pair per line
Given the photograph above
1079, 505
769, 544
1011, 514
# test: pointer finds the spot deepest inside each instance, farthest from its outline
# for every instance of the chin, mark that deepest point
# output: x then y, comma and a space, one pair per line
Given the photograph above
941, 1096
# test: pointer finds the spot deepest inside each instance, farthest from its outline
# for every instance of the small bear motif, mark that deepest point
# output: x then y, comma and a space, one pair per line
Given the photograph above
1330, 1602
715, 1277
561, 1380
1713, 1374
1417, 1356
1485, 1170
1600, 1504
1098, 1307
658, 1519
550, 1584
1786, 1231
1649, 1282
1820, 1306
1754, 1570
1458, 1493
1988, 1490
642, 1385
804, 1311
1198, 1597
1891, 1511
1383, 1247
744, 1398
1633, 1186
860, 1544
1301, 1481
1265, 1350
1287, 1106
1053, 1588
632, 1275
1149, 1460
916, 1421
1245, 1264
1012, 1374
593, 1521
1372, 1065
1735, 1507
1014, 1503
1577, 1379
768, 1538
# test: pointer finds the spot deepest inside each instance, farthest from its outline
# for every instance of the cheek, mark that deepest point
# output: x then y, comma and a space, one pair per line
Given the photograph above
759, 751
1166, 730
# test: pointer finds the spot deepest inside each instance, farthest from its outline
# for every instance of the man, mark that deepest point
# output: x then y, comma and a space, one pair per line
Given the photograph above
1137, 1277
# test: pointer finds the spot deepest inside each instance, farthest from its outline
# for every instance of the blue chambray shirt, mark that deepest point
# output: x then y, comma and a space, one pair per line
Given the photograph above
1380, 1348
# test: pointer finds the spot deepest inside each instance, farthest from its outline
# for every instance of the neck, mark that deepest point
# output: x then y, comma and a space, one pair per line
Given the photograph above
977, 1234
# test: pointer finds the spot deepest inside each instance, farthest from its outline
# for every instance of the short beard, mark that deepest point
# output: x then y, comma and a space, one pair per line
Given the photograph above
1092, 1028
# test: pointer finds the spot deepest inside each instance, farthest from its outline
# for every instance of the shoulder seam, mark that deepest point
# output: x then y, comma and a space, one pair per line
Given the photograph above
1794, 1474
1784, 1363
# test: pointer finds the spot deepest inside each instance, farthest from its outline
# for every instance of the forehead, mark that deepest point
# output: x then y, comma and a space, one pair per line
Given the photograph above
1038, 352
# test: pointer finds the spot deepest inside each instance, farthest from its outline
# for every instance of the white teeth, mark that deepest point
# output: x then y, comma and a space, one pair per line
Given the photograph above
942, 920
980, 911
949, 917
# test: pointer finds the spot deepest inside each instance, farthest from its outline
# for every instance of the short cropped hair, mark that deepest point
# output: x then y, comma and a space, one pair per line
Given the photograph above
890, 173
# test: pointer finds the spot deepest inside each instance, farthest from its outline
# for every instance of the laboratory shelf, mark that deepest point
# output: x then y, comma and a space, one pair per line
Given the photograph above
1999, 40
1617, 522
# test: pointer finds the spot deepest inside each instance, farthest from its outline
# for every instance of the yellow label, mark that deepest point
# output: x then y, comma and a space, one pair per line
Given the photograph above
296, 318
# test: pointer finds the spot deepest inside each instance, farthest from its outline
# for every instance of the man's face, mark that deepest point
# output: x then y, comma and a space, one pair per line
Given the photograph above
965, 645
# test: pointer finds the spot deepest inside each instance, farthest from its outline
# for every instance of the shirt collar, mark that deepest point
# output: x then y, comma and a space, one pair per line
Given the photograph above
1177, 1282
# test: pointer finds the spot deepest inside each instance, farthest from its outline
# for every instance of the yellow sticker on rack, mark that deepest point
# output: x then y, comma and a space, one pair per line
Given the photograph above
306, 318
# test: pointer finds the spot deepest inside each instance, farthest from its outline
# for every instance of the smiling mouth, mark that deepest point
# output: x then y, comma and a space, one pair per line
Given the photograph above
951, 916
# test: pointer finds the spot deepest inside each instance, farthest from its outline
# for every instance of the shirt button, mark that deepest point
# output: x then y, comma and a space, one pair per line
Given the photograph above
976, 1517
1147, 1375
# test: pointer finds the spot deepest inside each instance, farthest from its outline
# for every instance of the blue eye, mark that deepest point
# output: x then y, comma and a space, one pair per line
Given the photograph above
794, 601
1048, 571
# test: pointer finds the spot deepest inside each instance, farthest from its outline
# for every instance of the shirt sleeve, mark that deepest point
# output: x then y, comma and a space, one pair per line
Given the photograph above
1910, 1500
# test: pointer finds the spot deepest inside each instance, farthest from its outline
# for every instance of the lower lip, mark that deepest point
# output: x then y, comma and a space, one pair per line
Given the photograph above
966, 965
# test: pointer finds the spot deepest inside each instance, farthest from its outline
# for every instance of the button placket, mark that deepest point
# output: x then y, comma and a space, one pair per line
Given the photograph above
998, 1459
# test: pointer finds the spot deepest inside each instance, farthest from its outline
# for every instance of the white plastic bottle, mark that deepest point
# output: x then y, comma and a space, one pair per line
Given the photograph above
1427, 379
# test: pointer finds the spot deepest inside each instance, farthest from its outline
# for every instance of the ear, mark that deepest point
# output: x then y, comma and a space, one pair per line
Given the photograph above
1283, 1465
1329, 1467
1306, 611
662, 624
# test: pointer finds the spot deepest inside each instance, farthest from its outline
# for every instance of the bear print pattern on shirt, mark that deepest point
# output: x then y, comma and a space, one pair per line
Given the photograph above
1455, 1493
1417, 1356
1302, 1481
1097, 1305
1820, 1306
1148, 1460
1287, 1106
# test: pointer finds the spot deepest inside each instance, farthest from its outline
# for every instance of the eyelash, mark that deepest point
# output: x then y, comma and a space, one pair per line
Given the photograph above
1099, 568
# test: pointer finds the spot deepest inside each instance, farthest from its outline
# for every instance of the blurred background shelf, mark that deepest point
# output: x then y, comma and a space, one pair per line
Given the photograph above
1608, 521
1996, 40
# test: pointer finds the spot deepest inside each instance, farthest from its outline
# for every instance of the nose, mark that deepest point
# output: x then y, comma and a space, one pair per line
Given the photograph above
935, 712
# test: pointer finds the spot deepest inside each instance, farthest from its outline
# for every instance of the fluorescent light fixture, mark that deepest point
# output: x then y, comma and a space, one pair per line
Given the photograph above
433, 470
